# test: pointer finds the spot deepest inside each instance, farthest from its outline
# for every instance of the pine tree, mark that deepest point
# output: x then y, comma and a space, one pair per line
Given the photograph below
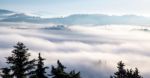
59, 72
121, 73
5, 73
125, 73
40, 70
73, 74
136, 74
19, 61
129, 73
111, 76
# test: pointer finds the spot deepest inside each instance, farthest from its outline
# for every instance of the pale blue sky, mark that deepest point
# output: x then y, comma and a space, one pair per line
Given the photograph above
67, 7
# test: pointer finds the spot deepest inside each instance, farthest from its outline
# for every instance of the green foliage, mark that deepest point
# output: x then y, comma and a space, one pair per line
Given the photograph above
19, 61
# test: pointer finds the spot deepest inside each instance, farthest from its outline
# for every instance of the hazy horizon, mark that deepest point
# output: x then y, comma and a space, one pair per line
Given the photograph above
53, 8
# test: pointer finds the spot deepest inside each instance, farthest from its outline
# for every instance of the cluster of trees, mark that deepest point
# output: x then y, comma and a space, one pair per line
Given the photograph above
20, 66
125, 73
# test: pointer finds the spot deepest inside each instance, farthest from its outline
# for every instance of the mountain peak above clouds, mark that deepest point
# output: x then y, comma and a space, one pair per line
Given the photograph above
76, 19
2, 11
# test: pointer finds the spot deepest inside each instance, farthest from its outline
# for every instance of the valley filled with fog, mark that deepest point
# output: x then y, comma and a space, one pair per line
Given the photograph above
94, 50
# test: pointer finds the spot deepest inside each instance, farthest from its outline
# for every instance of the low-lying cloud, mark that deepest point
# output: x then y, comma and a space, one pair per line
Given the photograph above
93, 50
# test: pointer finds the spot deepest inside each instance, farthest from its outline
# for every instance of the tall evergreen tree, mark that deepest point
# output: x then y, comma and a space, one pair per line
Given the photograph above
5, 73
19, 61
40, 70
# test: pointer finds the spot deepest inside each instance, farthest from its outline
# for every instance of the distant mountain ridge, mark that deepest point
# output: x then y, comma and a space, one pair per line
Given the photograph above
2, 11
76, 19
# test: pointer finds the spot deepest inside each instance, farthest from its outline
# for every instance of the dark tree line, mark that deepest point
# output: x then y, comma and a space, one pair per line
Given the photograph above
20, 66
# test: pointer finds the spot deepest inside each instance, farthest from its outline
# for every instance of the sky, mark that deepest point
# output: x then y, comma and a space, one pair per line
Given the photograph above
67, 7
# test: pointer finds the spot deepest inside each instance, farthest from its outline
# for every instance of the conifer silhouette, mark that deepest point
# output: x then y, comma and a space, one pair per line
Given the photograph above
19, 61
136, 74
5, 73
126, 73
59, 72
40, 70
121, 73
73, 74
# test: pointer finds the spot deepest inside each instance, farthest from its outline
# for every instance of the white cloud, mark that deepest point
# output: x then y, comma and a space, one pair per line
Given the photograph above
93, 48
